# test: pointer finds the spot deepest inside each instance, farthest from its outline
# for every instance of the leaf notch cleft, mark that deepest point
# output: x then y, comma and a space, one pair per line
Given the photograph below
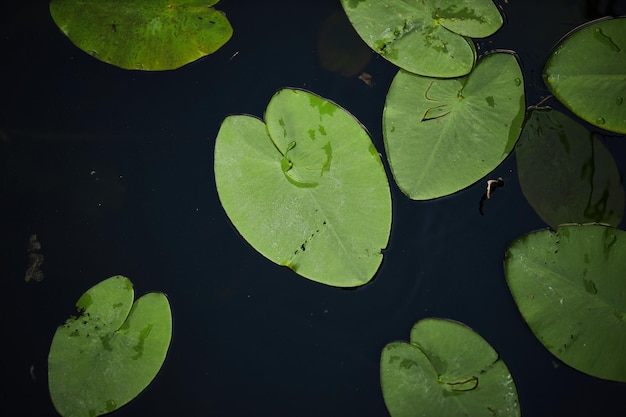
467, 385
286, 165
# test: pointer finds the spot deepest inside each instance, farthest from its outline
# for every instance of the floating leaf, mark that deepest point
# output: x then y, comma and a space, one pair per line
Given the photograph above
587, 73
570, 288
308, 190
566, 174
446, 370
428, 37
103, 358
443, 135
143, 34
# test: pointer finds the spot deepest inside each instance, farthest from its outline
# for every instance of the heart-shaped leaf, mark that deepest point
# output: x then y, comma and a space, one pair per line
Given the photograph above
570, 288
443, 135
566, 174
425, 37
143, 34
307, 189
103, 358
446, 370
587, 73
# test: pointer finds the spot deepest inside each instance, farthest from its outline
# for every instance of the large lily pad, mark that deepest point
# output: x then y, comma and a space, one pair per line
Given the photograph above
442, 135
143, 34
566, 174
587, 73
425, 37
105, 356
307, 189
446, 370
570, 288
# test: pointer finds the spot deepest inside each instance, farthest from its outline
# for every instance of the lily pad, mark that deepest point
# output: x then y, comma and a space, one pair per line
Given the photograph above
566, 174
570, 288
587, 73
442, 135
105, 356
446, 370
307, 188
428, 37
143, 34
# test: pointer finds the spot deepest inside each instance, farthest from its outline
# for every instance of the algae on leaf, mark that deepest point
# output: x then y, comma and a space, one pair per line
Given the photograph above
566, 174
569, 286
109, 353
143, 34
430, 37
307, 188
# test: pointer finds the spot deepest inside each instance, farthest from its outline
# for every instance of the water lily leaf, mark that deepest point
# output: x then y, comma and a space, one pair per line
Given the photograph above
428, 37
566, 174
143, 34
570, 288
442, 135
307, 189
587, 73
105, 356
446, 370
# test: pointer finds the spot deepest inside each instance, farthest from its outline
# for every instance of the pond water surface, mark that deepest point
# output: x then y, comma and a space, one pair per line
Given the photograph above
113, 171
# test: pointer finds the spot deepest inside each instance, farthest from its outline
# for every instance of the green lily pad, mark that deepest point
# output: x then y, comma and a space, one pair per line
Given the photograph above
566, 174
446, 370
570, 288
105, 356
587, 73
307, 189
143, 34
428, 37
442, 135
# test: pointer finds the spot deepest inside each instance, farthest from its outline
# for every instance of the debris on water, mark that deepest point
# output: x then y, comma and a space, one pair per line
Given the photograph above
35, 260
492, 186
367, 79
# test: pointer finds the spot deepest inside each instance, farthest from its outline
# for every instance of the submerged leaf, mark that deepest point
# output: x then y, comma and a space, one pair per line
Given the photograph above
339, 47
566, 174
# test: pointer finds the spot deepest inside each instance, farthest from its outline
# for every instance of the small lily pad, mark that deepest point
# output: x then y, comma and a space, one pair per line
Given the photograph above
428, 37
446, 370
587, 73
307, 188
143, 34
442, 135
105, 356
566, 174
569, 286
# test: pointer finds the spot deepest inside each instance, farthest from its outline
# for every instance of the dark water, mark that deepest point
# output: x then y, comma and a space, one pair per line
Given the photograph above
113, 170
